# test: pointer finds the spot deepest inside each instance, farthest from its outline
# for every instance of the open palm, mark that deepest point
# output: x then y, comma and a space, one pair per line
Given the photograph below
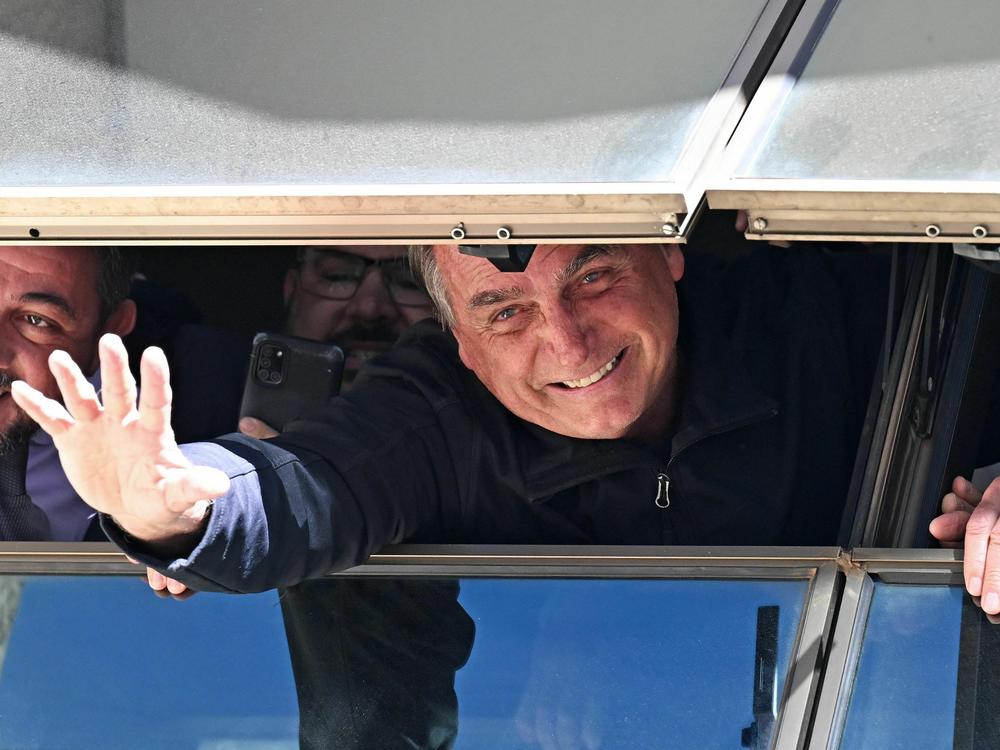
121, 456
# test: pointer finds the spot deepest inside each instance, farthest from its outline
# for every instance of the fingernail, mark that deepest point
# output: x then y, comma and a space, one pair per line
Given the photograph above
992, 603
975, 586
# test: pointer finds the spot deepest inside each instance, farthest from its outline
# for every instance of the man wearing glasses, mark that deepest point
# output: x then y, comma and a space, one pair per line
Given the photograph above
358, 296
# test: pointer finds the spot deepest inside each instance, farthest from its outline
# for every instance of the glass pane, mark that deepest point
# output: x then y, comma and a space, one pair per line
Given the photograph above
100, 662
926, 648
512, 664
896, 89
180, 92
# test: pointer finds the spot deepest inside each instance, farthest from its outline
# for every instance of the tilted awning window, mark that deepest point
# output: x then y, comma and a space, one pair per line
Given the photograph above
875, 121
377, 120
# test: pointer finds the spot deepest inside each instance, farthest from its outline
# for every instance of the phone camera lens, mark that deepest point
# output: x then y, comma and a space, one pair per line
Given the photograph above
265, 362
275, 377
263, 375
267, 351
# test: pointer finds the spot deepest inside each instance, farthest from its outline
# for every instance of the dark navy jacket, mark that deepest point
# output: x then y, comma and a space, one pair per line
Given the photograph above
776, 371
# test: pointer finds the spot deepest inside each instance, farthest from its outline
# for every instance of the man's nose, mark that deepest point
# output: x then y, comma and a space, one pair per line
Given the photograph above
372, 301
567, 337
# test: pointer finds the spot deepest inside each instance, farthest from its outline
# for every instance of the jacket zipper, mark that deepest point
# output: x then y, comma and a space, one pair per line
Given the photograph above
662, 499
662, 491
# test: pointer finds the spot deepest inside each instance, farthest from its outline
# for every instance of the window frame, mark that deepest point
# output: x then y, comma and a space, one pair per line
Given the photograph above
410, 214
820, 566
865, 567
847, 210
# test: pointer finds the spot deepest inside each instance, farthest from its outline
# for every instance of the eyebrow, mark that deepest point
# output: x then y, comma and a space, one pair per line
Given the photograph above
583, 258
492, 297
50, 300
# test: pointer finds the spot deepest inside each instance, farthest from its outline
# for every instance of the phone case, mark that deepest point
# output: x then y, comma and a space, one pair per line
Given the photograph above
289, 377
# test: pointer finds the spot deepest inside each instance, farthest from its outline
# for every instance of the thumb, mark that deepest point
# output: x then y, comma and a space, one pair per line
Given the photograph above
190, 486
949, 528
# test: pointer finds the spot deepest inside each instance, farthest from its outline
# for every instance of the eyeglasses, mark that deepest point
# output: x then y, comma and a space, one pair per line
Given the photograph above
337, 275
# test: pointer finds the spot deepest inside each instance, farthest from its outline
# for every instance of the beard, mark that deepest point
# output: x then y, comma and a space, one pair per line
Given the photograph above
17, 432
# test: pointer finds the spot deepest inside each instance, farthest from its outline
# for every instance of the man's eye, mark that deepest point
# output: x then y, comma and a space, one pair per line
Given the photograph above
506, 314
592, 277
37, 321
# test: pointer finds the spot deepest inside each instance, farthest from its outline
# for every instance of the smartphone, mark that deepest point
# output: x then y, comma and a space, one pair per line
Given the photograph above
289, 377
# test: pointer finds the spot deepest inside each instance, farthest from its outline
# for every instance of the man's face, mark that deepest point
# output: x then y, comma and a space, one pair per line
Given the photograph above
582, 343
334, 295
48, 300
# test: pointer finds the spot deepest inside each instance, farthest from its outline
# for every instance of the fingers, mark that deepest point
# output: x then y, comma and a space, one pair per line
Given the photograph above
155, 397
949, 529
982, 556
952, 503
78, 395
163, 586
964, 490
156, 580
49, 414
254, 428
991, 580
993, 619
118, 391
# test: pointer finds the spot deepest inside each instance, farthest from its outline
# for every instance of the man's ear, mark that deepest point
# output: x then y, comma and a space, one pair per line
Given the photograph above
121, 321
675, 261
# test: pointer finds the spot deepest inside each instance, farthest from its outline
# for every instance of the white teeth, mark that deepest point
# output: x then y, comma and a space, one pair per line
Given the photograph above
593, 378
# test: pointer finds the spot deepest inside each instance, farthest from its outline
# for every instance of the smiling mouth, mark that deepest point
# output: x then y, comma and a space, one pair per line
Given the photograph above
594, 376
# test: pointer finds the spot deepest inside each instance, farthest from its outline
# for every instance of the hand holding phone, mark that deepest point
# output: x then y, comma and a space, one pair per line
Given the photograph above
289, 377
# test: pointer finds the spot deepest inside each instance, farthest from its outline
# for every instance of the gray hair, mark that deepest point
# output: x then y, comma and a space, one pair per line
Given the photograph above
425, 268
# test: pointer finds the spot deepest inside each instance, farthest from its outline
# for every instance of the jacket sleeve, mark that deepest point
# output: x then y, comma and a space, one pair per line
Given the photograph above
367, 471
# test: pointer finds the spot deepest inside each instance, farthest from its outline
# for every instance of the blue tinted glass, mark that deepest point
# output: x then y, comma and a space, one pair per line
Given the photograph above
906, 684
101, 662
617, 664
537, 663
382, 663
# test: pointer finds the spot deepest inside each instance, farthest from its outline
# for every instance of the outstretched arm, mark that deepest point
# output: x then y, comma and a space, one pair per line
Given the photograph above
121, 456
165, 586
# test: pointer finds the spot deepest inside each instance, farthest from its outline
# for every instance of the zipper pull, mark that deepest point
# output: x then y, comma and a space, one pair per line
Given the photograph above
662, 491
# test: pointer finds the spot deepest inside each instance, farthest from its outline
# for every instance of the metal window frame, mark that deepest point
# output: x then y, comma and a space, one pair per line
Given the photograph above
472, 560
408, 214
909, 469
864, 568
849, 210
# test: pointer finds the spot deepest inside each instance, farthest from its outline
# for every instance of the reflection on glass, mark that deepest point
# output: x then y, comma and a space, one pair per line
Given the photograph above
10, 600
540, 663
894, 89
906, 683
182, 92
